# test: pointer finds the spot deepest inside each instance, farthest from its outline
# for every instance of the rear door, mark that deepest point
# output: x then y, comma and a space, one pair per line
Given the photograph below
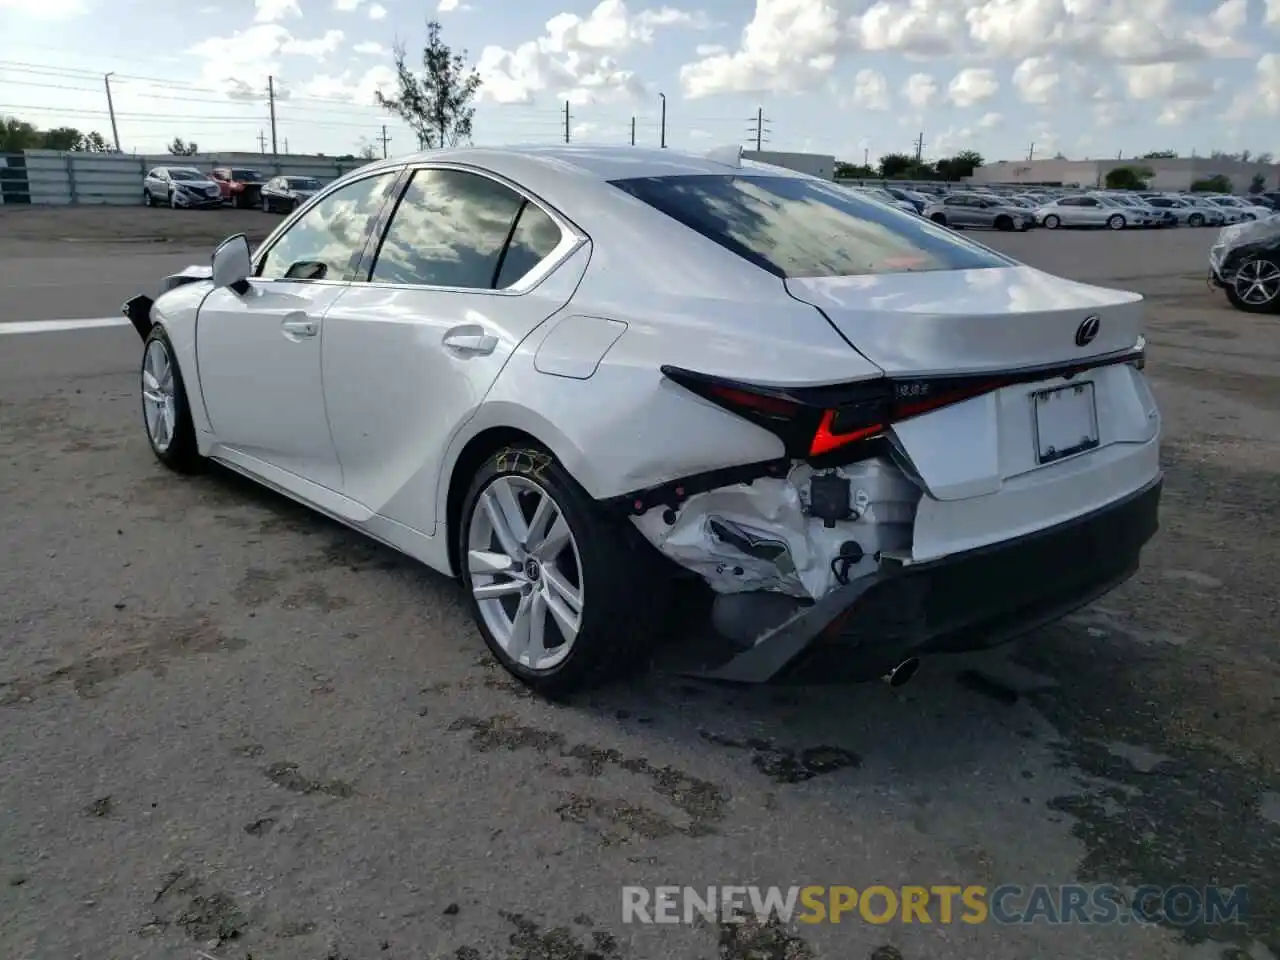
468, 267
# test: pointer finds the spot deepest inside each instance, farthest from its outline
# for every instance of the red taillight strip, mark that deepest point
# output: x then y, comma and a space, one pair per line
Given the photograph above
824, 441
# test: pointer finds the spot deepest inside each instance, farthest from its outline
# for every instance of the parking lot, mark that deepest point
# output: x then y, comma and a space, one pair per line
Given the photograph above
233, 729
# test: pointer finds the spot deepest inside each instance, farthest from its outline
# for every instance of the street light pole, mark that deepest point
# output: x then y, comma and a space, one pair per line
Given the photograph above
662, 135
111, 109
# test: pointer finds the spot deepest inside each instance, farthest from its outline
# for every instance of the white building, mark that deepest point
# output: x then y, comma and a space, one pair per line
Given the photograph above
814, 164
1176, 174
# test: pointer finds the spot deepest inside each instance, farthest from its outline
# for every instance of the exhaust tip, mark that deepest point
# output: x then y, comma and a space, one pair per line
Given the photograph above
903, 672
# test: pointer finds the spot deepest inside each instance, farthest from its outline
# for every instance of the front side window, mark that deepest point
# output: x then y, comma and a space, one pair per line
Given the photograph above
449, 230
331, 235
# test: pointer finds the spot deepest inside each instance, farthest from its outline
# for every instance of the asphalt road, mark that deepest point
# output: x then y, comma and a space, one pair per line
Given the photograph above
230, 726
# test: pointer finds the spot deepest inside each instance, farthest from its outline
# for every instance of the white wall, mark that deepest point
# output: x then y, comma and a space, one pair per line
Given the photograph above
108, 178
814, 164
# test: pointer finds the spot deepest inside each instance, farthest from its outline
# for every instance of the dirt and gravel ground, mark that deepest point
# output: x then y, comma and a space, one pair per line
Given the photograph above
232, 729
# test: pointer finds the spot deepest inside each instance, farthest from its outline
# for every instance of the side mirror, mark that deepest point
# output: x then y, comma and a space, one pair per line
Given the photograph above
231, 263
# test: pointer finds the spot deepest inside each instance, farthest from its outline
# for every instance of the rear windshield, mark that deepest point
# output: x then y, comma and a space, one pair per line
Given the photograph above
245, 175
304, 183
186, 173
794, 227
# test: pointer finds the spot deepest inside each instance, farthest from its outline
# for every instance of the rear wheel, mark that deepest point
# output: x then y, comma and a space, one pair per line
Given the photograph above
564, 595
173, 199
1052, 221
1115, 222
1196, 220
1255, 288
1004, 223
147, 201
939, 218
266, 204
165, 413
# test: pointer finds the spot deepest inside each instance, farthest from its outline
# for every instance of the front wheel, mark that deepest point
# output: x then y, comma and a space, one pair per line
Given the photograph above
562, 593
165, 413
266, 205
146, 199
1255, 288
1196, 220
173, 199
1052, 222
1115, 222
940, 219
1004, 223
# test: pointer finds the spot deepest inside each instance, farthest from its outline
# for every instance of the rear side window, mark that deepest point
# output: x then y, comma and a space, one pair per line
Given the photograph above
533, 240
448, 231
794, 227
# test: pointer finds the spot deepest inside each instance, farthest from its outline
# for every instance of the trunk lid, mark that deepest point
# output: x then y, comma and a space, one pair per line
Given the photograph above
971, 321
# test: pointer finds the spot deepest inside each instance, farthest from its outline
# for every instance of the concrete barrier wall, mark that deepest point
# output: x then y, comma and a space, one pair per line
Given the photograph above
58, 179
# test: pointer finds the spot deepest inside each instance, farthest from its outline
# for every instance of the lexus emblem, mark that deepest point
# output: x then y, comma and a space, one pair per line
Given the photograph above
1087, 331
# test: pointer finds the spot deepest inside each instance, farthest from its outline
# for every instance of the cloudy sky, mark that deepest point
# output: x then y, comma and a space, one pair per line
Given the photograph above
1081, 77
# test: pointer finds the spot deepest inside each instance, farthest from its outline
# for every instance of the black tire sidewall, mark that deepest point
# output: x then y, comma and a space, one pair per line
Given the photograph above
1052, 221
939, 219
1111, 222
615, 588
182, 454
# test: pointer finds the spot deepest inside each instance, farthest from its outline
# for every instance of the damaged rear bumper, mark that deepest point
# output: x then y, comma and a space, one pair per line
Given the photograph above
138, 310
973, 600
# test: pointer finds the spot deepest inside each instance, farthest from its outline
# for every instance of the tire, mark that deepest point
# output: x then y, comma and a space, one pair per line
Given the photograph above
1004, 223
266, 204
164, 405
147, 201
1195, 220
1259, 292
1115, 222
1052, 222
939, 218
173, 199
617, 577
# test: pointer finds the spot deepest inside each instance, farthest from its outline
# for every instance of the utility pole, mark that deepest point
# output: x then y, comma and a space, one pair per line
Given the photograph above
662, 129
286, 146
271, 98
758, 130
633, 129
919, 145
566, 121
385, 140
866, 157
1031, 154
111, 109
262, 143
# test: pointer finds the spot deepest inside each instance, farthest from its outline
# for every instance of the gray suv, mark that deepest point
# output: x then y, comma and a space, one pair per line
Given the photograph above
179, 187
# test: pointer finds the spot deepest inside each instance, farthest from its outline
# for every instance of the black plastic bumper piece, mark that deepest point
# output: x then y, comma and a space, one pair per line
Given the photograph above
974, 600
138, 310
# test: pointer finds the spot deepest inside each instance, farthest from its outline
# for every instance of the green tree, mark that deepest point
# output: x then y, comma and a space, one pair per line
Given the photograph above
180, 148
18, 135
1128, 178
960, 166
437, 103
1214, 184
62, 138
853, 171
1258, 183
96, 143
894, 166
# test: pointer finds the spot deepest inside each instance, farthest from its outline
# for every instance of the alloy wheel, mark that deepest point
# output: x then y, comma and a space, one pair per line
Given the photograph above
1257, 282
158, 402
526, 572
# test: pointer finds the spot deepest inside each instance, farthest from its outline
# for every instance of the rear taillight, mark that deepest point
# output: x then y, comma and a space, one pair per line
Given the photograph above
814, 422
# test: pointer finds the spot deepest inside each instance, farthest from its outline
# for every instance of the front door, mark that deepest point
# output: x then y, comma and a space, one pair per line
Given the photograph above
259, 351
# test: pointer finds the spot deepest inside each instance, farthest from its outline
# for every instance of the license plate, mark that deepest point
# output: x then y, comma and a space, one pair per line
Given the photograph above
1066, 420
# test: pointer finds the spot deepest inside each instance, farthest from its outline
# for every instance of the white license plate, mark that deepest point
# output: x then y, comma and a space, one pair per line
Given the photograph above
1066, 421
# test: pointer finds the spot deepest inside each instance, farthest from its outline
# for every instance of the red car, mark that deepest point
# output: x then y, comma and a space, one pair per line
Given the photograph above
241, 186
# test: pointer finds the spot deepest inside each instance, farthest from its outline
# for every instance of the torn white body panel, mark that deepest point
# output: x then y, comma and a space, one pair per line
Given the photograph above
764, 536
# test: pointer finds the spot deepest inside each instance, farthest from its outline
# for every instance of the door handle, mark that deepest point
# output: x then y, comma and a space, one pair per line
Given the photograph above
299, 329
473, 344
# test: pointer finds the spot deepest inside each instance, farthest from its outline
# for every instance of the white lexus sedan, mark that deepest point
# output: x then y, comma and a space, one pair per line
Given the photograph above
569, 375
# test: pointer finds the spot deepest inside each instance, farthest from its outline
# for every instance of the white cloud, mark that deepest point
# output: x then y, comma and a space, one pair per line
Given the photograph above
1165, 81
44, 9
990, 121
347, 86
923, 28
1036, 79
871, 90
371, 48
1272, 16
972, 86
239, 64
789, 45
920, 90
576, 58
269, 11
715, 49
445, 6
377, 11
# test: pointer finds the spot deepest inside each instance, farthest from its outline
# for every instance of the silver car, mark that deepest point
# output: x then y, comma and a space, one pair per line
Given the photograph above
179, 187
1090, 210
978, 210
1186, 214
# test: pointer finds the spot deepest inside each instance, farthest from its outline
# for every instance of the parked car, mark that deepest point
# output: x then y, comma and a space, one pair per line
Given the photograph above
1245, 262
1267, 198
179, 187
978, 210
283, 194
1089, 210
868, 437
917, 200
884, 196
1153, 217
1215, 216
1246, 210
1183, 213
241, 186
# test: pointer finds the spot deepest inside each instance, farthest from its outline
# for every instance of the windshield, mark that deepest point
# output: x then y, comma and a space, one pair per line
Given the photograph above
303, 183
1226, 201
245, 174
186, 173
795, 227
